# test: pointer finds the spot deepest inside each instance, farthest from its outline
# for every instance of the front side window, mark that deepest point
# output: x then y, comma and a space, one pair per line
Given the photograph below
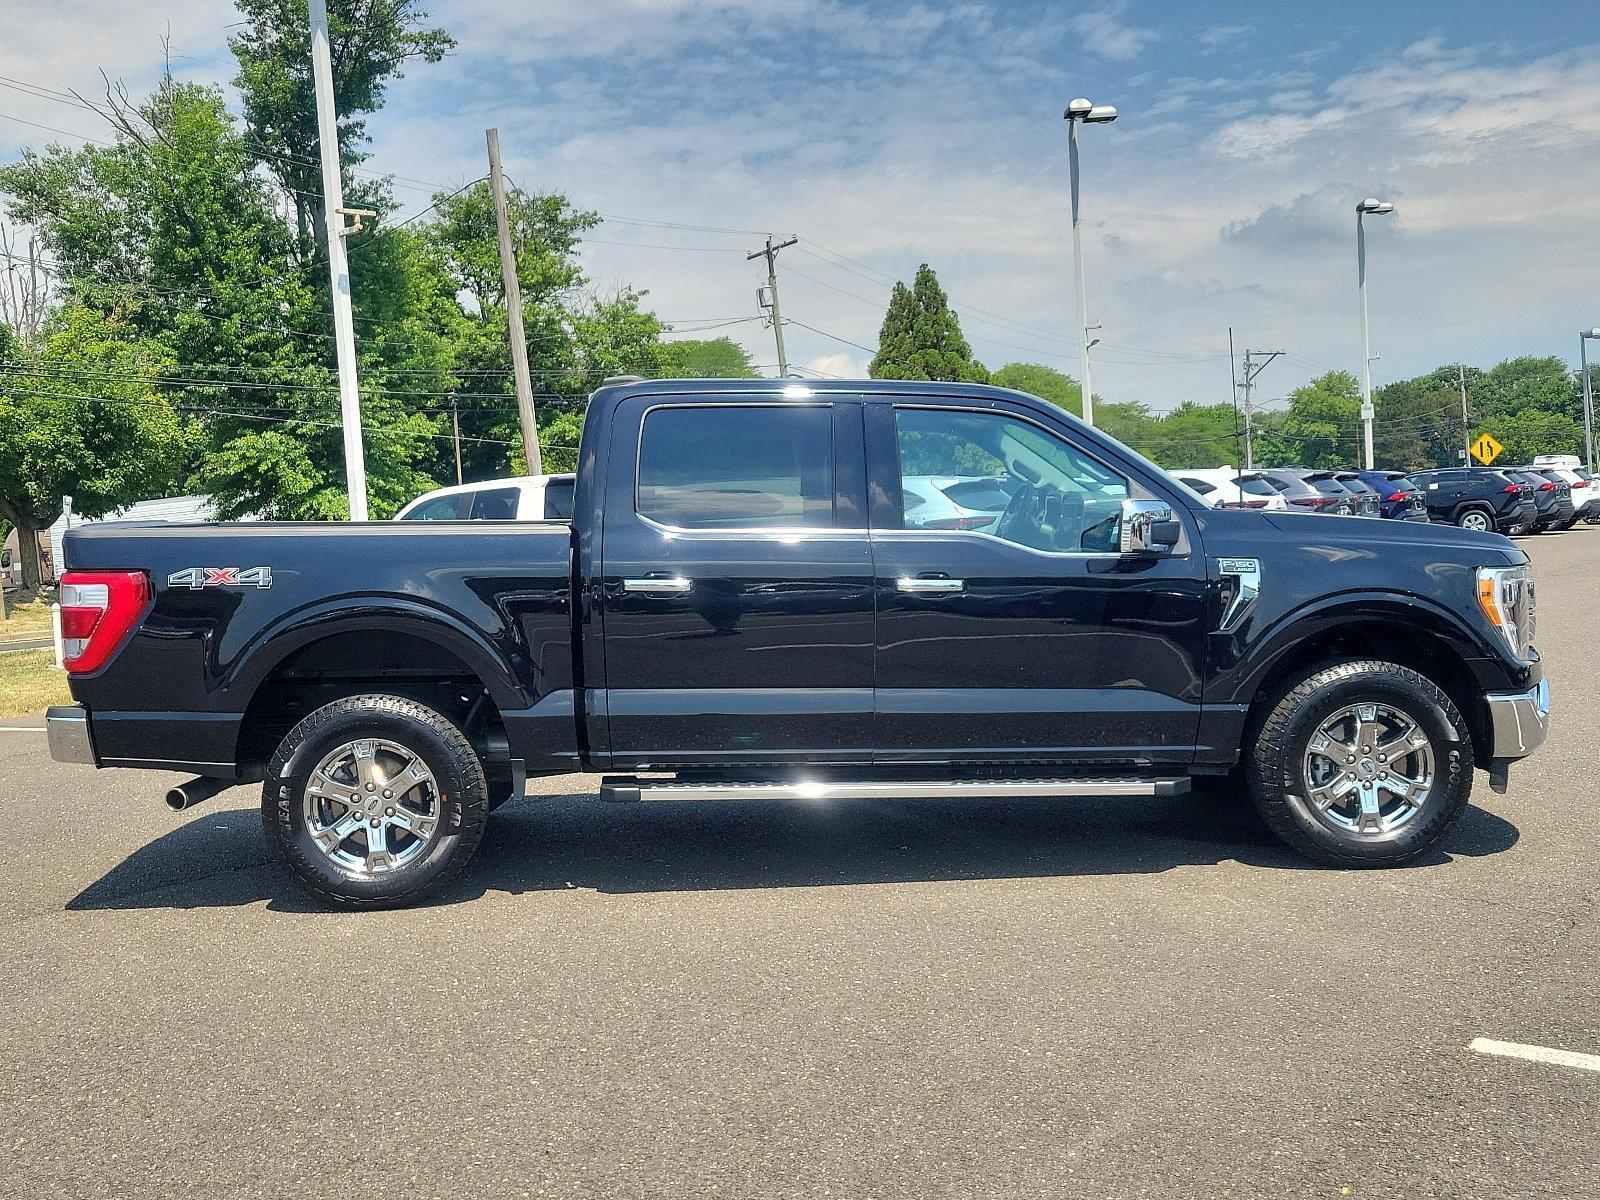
440, 508
1031, 487
737, 467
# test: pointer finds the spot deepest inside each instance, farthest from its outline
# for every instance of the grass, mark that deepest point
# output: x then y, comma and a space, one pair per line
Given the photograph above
27, 618
30, 681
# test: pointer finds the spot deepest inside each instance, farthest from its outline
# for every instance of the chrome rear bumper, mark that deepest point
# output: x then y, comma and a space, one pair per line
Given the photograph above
1519, 720
67, 731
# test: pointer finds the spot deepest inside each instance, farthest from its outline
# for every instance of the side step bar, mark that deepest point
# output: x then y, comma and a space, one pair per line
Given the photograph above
628, 789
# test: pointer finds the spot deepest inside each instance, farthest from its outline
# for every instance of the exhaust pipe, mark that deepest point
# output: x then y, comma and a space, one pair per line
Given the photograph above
187, 795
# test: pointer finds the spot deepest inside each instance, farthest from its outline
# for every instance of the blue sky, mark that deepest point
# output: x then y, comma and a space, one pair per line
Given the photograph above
887, 134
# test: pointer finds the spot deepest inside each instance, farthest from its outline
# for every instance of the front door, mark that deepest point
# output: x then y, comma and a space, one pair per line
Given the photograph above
737, 586
1009, 626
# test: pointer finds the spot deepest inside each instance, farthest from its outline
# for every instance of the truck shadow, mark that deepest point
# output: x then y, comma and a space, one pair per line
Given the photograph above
543, 843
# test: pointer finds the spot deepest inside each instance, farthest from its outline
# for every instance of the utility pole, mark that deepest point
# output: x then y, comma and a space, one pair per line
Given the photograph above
455, 423
770, 299
1588, 396
1254, 364
519, 343
333, 212
1466, 430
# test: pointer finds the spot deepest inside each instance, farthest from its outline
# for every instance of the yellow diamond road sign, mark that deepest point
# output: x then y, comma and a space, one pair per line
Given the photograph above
1486, 449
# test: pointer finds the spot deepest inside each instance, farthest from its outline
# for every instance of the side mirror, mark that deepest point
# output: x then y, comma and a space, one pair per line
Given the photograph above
1148, 527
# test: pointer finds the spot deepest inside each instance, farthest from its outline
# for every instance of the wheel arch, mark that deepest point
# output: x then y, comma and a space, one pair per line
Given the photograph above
400, 649
1404, 631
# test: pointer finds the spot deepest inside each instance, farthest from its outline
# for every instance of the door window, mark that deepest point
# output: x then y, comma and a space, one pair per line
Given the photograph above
495, 504
442, 508
558, 500
737, 467
1049, 496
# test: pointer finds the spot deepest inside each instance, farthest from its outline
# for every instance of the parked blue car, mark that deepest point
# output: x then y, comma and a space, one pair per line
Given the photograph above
1398, 498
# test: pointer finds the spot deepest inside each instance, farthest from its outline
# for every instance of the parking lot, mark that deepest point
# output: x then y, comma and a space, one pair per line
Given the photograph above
1030, 998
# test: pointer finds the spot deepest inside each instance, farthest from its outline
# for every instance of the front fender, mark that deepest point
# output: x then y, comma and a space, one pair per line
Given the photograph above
1249, 656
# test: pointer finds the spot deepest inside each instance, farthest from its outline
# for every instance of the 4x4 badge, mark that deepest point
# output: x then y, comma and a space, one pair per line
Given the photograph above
207, 577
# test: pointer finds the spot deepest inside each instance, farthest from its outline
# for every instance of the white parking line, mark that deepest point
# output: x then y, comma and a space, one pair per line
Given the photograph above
20, 729
1538, 1054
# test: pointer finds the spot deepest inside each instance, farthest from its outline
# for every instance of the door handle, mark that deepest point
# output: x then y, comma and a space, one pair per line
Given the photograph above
931, 587
664, 585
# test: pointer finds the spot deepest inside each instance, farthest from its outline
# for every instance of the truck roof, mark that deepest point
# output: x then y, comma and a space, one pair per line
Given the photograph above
790, 387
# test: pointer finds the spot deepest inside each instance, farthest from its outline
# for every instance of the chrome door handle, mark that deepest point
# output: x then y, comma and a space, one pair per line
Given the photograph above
675, 585
931, 587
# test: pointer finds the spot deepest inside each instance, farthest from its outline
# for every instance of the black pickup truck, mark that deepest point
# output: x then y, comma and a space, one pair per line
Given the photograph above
767, 591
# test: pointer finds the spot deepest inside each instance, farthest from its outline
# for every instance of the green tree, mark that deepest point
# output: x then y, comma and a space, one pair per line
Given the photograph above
1531, 432
1047, 383
1322, 427
171, 233
711, 358
370, 41
105, 446
1195, 435
921, 338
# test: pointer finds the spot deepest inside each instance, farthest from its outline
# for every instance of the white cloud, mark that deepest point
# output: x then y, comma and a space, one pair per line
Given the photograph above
1105, 34
840, 366
1219, 37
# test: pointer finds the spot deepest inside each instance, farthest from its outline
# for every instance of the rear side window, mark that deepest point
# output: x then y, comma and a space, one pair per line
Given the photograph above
495, 504
440, 508
558, 500
737, 467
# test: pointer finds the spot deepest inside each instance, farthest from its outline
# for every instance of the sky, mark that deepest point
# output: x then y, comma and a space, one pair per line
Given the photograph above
886, 134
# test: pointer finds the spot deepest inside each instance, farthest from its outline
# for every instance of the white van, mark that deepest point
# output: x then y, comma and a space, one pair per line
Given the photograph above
523, 498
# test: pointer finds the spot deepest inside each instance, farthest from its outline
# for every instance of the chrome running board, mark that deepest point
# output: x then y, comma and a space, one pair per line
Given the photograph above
628, 789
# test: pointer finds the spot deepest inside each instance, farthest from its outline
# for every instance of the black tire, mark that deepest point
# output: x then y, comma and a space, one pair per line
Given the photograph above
1475, 518
1278, 781
457, 801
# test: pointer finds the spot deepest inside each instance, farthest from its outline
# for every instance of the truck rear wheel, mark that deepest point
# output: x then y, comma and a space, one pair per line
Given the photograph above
1362, 764
373, 802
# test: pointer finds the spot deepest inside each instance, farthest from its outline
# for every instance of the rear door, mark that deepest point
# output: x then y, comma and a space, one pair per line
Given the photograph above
737, 589
1031, 637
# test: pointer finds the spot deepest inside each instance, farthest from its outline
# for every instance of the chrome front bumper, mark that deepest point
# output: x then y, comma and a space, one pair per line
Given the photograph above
1519, 720
67, 731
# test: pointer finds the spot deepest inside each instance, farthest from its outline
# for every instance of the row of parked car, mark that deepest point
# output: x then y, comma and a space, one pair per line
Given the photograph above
1552, 493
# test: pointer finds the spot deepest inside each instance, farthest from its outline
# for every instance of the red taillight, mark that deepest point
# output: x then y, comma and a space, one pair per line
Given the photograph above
1547, 487
1398, 497
1315, 501
1510, 487
98, 608
1581, 483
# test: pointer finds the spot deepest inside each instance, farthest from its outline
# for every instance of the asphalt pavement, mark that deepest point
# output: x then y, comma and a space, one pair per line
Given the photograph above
879, 999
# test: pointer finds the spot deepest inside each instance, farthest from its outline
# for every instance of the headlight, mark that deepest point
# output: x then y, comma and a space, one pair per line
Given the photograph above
1506, 596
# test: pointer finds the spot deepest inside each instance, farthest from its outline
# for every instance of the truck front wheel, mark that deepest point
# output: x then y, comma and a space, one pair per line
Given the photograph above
373, 802
1362, 764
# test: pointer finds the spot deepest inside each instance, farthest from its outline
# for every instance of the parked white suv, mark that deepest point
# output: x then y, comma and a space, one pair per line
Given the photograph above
1226, 487
523, 498
1585, 492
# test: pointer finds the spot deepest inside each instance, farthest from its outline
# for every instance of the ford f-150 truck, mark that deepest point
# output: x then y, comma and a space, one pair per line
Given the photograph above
747, 603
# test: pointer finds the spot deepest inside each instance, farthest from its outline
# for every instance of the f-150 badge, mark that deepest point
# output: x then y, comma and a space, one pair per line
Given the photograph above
208, 577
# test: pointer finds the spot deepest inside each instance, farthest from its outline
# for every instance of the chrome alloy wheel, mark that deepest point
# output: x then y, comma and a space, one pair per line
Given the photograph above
1368, 769
371, 806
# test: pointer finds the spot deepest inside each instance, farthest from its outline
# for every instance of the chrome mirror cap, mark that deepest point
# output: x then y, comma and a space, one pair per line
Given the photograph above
1148, 527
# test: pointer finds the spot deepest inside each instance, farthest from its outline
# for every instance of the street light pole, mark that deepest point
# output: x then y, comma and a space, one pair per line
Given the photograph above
1095, 114
1588, 396
1377, 208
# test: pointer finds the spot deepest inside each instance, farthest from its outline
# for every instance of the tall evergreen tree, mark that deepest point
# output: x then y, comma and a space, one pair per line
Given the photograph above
921, 338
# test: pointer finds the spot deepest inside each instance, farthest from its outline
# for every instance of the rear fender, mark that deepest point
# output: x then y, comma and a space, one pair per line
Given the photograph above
362, 614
